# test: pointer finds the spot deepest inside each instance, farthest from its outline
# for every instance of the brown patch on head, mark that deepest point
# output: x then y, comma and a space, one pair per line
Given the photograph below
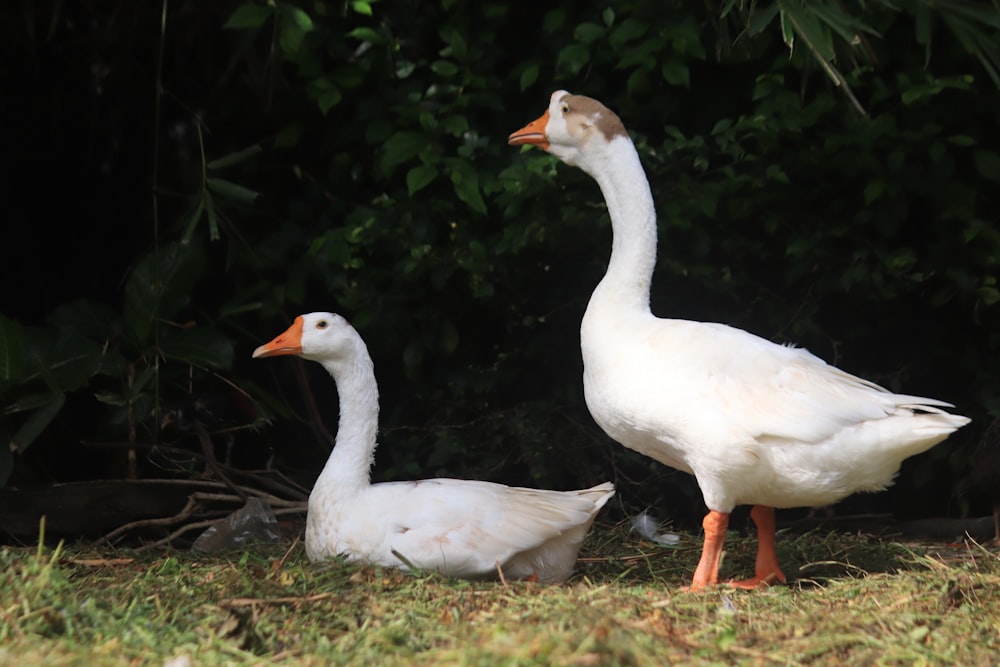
601, 117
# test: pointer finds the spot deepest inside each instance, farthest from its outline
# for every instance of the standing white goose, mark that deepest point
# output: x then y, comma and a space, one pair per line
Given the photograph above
756, 423
462, 528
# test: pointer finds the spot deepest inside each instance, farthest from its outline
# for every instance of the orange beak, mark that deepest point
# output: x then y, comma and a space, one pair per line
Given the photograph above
532, 134
289, 342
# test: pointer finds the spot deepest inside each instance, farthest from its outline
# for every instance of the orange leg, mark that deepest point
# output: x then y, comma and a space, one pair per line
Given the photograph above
766, 571
707, 572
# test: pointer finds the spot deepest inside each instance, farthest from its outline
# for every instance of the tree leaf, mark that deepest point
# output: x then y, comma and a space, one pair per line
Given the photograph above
676, 73
328, 99
366, 35
199, 209
213, 222
11, 350
362, 7
36, 422
160, 285
229, 190
420, 177
572, 58
235, 158
987, 164
528, 76
588, 33
444, 68
761, 18
402, 147
466, 183
628, 30
295, 25
248, 17
199, 346
288, 135
298, 17
85, 318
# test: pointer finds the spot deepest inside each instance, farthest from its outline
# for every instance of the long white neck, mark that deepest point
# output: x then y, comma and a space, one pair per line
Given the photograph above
623, 182
349, 466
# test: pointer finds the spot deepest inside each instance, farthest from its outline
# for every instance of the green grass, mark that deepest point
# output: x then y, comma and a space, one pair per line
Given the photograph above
853, 601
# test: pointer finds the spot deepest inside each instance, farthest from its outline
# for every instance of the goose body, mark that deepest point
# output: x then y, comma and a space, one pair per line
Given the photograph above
755, 422
461, 528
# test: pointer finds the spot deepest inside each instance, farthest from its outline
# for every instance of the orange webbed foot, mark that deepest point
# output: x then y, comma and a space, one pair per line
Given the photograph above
760, 581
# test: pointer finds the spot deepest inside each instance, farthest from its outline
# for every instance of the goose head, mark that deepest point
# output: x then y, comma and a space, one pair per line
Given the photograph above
323, 337
573, 128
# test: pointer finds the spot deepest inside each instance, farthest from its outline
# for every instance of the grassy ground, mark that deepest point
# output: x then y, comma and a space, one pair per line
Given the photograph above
853, 601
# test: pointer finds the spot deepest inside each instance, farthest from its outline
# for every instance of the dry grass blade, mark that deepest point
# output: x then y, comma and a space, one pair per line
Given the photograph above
866, 602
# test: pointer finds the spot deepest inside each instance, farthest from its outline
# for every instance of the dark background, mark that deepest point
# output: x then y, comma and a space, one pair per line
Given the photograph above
139, 271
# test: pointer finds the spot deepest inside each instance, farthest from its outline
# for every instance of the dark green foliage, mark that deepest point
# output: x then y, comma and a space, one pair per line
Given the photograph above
352, 157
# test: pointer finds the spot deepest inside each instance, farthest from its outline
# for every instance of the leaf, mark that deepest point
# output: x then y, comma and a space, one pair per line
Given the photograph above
922, 26
199, 346
420, 177
466, 183
987, 164
295, 25
842, 23
588, 33
726, 8
459, 47
444, 68
248, 17
366, 35
628, 30
63, 362
27, 403
326, 93
402, 147
235, 158
160, 285
808, 26
528, 76
297, 17
572, 58
760, 19
363, 8
455, 125
288, 135
85, 318
213, 222
328, 99
229, 190
873, 191
988, 294
193, 219
676, 73
130, 395
961, 140
36, 422
554, 20
11, 350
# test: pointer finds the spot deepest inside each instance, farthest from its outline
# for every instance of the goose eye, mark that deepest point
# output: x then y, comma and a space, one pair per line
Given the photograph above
322, 324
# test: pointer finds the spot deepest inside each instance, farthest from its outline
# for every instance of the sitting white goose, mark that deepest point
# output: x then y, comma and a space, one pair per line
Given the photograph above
755, 422
462, 528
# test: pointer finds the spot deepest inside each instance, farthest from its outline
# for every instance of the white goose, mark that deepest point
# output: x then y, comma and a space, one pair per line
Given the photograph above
467, 529
755, 422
